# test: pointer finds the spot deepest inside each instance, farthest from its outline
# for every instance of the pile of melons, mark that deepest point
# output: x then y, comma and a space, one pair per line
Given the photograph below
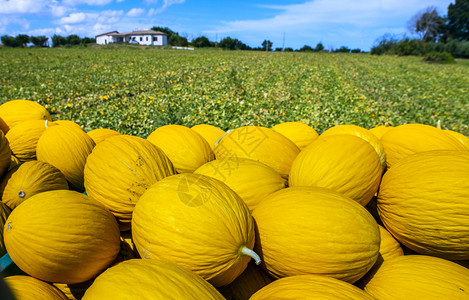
251, 213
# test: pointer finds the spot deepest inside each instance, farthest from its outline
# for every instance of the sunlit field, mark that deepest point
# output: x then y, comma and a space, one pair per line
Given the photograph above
135, 91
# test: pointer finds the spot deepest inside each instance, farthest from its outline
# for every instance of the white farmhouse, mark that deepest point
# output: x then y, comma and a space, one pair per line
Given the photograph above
140, 37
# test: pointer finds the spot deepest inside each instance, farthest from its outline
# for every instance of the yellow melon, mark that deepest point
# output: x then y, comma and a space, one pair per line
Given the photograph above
74, 291
150, 279
423, 201
310, 287
24, 136
68, 123
250, 179
29, 179
459, 136
66, 148
419, 277
14, 162
29, 288
299, 133
5, 154
261, 144
62, 236
186, 149
4, 213
100, 134
245, 285
404, 140
209, 132
197, 222
343, 162
120, 169
312, 230
379, 131
361, 133
15, 111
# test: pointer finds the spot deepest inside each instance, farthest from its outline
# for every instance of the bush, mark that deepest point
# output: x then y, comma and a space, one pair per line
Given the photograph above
439, 57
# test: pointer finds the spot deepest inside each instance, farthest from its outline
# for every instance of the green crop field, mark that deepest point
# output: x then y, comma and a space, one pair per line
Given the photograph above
135, 91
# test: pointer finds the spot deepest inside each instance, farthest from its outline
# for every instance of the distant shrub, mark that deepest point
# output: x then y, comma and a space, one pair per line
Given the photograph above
439, 57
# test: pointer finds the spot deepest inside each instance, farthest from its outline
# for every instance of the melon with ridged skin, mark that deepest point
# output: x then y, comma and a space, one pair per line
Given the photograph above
310, 287
150, 279
250, 179
459, 136
361, 133
120, 169
66, 148
15, 111
379, 131
299, 133
261, 144
100, 134
197, 222
422, 188
209, 132
419, 277
312, 230
23, 138
62, 236
186, 149
68, 123
342, 162
31, 178
5, 154
404, 140
4, 213
29, 288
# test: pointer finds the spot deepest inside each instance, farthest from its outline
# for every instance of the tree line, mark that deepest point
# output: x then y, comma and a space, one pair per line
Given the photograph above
23, 40
436, 33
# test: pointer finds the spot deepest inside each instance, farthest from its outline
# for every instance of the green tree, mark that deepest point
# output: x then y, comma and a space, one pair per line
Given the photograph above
58, 40
201, 42
39, 41
267, 45
232, 44
73, 39
306, 48
343, 49
427, 24
9, 41
319, 47
458, 20
22, 39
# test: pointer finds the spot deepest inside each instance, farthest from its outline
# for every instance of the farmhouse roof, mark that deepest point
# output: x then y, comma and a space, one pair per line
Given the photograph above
108, 33
138, 32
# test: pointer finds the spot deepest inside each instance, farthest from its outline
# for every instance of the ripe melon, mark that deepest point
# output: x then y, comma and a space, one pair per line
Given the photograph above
120, 169
419, 277
5, 154
29, 288
459, 136
66, 148
100, 134
407, 139
424, 202
62, 236
197, 222
361, 133
15, 111
299, 133
261, 144
379, 131
150, 279
310, 287
312, 230
31, 178
342, 162
4, 213
250, 179
209, 132
68, 123
23, 138
186, 149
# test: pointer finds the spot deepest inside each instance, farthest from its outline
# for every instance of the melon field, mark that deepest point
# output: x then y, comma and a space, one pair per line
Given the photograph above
135, 91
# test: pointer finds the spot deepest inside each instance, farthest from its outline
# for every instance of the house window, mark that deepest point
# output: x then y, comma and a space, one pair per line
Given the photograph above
147, 39
141, 39
155, 38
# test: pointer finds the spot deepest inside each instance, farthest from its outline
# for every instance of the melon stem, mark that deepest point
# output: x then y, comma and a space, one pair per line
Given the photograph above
246, 251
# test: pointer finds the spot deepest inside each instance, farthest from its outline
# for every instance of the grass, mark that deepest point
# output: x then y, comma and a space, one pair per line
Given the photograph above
135, 90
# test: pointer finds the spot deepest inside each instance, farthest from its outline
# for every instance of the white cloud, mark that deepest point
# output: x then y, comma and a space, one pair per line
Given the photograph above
88, 2
135, 12
166, 4
74, 18
22, 6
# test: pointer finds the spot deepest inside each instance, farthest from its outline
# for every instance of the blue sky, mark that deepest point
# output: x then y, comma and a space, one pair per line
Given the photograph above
335, 23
